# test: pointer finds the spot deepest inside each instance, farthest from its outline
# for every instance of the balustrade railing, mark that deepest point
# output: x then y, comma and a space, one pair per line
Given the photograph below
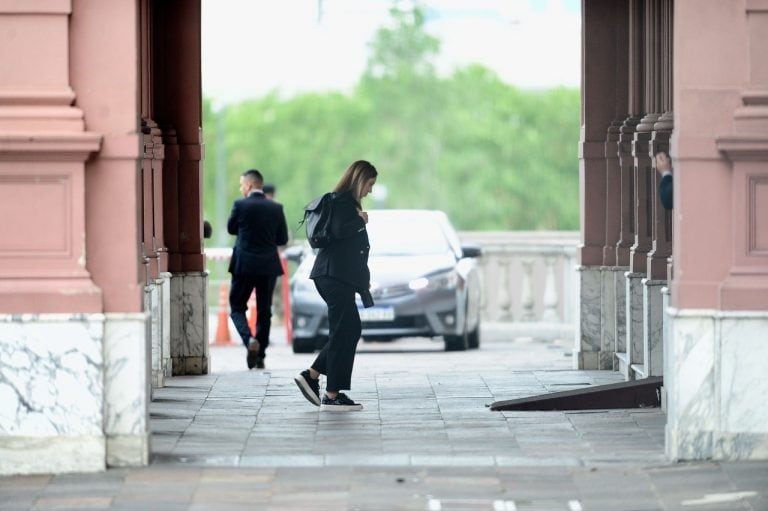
528, 281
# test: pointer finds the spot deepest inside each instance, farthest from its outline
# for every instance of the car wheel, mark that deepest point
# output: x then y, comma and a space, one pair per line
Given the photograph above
304, 344
473, 339
455, 342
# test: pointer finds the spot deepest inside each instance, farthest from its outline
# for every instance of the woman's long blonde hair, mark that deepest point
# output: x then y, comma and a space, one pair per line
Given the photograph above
355, 177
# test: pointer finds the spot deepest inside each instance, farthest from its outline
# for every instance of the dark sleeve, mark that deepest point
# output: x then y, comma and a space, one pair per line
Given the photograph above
281, 236
665, 191
232, 222
345, 222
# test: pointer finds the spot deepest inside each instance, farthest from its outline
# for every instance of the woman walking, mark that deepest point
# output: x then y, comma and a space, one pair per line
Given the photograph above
340, 271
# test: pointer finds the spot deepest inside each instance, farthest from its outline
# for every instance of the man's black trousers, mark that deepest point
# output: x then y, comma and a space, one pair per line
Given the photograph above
337, 357
240, 291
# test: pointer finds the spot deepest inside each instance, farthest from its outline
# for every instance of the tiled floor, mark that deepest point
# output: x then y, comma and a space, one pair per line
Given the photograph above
426, 440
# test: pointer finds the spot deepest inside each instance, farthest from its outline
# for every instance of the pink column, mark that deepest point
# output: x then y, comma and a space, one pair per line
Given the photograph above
603, 105
43, 148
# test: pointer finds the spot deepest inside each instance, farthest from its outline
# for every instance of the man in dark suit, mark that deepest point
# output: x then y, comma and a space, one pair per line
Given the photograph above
664, 167
260, 227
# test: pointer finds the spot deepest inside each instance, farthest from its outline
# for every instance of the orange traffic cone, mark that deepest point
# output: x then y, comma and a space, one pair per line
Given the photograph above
252, 313
222, 328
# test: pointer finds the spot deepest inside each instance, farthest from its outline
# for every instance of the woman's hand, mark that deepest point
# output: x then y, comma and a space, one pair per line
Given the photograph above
363, 215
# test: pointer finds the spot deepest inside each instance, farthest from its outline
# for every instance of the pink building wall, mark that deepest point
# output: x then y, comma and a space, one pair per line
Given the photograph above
104, 72
43, 145
708, 97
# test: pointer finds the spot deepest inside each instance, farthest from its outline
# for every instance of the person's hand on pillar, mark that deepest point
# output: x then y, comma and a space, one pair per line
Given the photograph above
663, 163
664, 168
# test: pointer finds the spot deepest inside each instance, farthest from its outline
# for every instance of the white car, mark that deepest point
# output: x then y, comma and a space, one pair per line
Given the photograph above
423, 282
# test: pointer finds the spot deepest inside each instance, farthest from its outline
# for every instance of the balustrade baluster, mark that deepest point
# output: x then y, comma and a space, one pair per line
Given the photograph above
551, 298
505, 299
526, 298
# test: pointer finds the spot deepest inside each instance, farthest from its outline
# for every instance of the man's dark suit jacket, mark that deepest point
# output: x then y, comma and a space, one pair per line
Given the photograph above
260, 226
665, 191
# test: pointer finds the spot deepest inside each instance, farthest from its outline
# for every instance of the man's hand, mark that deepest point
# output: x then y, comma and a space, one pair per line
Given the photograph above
663, 163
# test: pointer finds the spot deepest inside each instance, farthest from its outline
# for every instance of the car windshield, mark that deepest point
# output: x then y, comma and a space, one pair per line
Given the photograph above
406, 235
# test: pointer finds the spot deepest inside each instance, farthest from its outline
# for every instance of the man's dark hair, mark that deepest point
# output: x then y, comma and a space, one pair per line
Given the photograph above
662, 151
254, 176
269, 188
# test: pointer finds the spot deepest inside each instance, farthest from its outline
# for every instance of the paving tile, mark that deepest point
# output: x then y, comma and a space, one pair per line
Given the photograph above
242, 439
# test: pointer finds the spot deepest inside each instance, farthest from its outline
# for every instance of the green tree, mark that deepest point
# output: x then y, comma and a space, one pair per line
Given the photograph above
438, 142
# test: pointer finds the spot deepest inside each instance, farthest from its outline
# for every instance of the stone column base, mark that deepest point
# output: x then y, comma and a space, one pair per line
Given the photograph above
128, 389
620, 292
607, 318
634, 322
716, 386
189, 323
586, 352
74, 392
653, 322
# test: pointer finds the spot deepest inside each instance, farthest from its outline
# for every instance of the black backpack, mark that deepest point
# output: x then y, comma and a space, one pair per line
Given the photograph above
317, 220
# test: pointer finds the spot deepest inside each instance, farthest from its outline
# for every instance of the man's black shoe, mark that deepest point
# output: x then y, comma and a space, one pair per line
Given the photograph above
341, 403
308, 386
252, 358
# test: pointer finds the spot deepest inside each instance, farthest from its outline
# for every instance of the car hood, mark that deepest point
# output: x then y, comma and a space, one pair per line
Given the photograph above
386, 270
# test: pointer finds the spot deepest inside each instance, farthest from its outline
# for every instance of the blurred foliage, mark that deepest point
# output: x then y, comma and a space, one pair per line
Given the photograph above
494, 157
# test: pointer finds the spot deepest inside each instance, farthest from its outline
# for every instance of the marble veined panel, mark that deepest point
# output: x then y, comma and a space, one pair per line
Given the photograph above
620, 286
694, 383
608, 315
634, 317
176, 326
590, 289
743, 385
195, 314
166, 324
51, 375
125, 352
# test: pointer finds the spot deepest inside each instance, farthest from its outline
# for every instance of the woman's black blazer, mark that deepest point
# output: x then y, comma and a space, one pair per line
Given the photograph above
346, 258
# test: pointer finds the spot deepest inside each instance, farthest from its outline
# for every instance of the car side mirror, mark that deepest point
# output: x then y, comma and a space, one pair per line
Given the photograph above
294, 253
471, 251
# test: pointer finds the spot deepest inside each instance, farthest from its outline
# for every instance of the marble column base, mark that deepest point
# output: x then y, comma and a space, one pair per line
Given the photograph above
127, 354
666, 338
165, 311
607, 318
153, 304
189, 323
128, 450
634, 321
51, 393
157, 300
74, 392
620, 293
716, 386
22, 455
653, 322
588, 334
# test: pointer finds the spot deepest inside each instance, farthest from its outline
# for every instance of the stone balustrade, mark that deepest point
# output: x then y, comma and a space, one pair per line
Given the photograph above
528, 281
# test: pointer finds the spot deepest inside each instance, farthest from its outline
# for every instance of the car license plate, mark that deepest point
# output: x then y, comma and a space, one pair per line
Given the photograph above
377, 314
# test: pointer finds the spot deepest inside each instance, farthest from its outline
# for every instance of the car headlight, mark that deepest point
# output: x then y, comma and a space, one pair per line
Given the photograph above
444, 280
